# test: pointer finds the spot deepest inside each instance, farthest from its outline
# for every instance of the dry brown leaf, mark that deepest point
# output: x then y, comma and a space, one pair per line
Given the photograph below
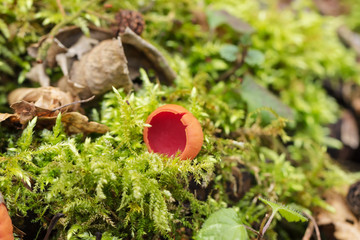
75, 122
43, 97
46, 103
98, 71
330, 7
27, 111
82, 46
4, 116
37, 74
93, 69
347, 226
141, 54
65, 39
349, 130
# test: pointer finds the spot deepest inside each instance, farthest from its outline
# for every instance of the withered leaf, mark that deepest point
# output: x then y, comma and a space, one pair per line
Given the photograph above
75, 122
37, 74
4, 116
27, 111
99, 70
65, 39
349, 130
46, 103
346, 224
93, 69
82, 46
142, 54
43, 97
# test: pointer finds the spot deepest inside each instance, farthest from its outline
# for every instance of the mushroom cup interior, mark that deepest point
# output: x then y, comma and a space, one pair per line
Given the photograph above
167, 133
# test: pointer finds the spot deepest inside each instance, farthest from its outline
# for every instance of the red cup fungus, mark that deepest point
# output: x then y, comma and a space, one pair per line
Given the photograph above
174, 130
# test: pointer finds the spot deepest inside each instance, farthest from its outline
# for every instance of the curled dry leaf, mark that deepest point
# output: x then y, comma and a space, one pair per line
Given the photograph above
64, 40
75, 122
345, 224
27, 111
349, 130
46, 103
44, 97
92, 69
141, 54
98, 71
37, 74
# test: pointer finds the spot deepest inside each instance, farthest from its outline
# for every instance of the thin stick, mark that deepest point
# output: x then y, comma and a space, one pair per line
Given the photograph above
239, 63
76, 102
267, 225
52, 224
98, 235
99, 15
251, 229
317, 231
309, 231
61, 8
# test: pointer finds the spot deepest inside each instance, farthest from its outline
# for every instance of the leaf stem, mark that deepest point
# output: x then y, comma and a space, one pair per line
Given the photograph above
61, 8
251, 229
267, 225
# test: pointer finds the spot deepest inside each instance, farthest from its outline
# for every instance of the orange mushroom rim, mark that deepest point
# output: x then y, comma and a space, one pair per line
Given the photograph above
174, 131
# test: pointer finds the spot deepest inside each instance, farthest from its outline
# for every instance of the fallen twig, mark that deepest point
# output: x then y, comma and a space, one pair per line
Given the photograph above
53, 221
239, 63
61, 8
76, 102
310, 228
98, 235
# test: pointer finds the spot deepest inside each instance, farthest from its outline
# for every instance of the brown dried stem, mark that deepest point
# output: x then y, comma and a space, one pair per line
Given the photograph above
76, 102
310, 228
52, 224
101, 16
61, 8
239, 63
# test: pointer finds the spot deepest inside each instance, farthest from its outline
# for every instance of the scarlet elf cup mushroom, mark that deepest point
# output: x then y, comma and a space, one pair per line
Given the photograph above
6, 228
174, 130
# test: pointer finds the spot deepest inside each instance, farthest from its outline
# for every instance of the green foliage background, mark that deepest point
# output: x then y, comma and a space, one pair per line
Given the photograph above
111, 183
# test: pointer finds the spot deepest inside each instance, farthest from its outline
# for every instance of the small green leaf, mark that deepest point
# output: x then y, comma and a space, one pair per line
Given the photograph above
229, 52
219, 64
291, 215
4, 29
4, 67
223, 225
254, 57
257, 96
219, 17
